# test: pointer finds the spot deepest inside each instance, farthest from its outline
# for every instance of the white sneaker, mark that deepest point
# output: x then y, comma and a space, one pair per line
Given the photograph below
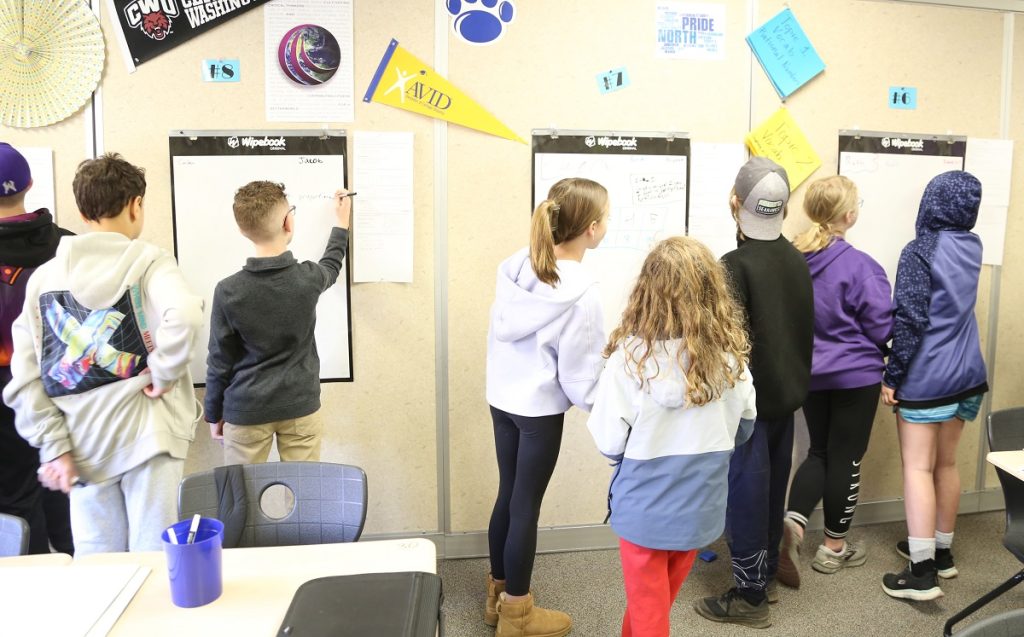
828, 562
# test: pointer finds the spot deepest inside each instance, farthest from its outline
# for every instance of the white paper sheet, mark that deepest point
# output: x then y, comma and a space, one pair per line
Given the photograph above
42, 194
89, 598
287, 101
991, 227
713, 170
991, 161
383, 208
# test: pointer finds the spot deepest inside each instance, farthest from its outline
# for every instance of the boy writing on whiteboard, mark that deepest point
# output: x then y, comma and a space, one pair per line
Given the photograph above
771, 280
27, 240
100, 380
263, 371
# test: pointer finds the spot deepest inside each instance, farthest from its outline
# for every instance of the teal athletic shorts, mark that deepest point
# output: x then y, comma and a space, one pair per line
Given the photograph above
966, 410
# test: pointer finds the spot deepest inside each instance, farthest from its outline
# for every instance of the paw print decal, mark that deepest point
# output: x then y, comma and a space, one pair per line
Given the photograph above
480, 21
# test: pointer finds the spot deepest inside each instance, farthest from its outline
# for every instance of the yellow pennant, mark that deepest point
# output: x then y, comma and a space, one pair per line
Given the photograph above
403, 81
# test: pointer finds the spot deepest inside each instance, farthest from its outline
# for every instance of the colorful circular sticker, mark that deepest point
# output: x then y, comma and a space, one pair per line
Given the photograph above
309, 54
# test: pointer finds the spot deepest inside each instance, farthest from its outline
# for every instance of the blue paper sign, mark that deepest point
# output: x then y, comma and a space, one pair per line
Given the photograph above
613, 80
222, 70
904, 97
785, 53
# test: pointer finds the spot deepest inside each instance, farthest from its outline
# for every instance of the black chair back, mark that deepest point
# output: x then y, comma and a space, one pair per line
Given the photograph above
1006, 429
1006, 433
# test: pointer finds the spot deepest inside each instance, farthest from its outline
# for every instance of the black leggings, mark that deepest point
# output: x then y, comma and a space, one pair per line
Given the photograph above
527, 450
839, 424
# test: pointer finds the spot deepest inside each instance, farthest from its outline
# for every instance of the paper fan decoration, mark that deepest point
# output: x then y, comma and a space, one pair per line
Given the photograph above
51, 57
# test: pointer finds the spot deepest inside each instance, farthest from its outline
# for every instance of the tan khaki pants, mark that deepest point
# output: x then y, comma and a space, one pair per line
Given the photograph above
297, 439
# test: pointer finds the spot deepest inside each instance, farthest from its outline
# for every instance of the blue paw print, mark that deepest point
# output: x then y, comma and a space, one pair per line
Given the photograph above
481, 21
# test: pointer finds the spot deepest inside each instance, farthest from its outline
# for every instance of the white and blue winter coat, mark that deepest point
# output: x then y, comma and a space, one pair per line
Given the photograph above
671, 479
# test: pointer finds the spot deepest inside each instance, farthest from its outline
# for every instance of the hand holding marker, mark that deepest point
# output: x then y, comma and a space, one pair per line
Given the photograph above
343, 207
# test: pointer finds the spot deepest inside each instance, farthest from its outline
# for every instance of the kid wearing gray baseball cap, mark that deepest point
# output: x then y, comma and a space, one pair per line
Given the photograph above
761, 194
771, 281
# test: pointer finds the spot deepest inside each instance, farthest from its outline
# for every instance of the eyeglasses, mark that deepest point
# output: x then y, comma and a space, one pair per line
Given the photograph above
860, 203
291, 210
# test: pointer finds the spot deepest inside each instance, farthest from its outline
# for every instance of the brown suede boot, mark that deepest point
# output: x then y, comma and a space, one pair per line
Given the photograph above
491, 610
523, 619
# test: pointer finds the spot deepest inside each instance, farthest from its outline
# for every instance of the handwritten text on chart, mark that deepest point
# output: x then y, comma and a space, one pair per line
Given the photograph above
649, 189
785, 44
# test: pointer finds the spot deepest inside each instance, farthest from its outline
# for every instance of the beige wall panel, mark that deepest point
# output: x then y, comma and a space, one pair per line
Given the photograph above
956, 93
385, 420
68, 141
1009, 368
542, 75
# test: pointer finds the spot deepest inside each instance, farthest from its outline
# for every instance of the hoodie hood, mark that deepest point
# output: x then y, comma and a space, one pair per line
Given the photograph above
667, 382
950, 202
523, 304
102, 265
818, 261
30, 243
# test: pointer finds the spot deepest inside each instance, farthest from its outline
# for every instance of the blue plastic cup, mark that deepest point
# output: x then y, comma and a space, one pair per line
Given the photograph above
195, 569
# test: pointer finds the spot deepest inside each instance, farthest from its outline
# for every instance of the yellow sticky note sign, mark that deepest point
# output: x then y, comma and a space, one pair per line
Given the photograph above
781, 140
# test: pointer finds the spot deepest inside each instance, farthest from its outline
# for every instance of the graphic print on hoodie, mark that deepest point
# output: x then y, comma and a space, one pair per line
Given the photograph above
83, 349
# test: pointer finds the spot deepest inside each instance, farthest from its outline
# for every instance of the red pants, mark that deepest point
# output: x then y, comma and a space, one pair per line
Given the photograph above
652, 578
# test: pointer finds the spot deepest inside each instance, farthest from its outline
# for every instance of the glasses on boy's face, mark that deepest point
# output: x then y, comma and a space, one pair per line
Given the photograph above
291, 210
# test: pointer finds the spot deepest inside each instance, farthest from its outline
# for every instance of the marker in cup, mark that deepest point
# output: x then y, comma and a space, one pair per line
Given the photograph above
193, 528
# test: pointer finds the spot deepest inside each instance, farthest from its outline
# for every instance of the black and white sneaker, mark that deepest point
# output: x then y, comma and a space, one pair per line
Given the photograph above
917, 582
943, 559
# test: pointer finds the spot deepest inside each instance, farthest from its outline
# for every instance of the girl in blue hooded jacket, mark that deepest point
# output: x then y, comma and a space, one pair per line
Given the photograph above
936, 377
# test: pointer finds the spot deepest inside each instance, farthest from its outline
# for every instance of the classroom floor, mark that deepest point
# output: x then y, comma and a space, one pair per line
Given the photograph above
850, 603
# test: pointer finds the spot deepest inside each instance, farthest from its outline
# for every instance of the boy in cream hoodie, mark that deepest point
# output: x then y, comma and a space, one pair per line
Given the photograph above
100, 368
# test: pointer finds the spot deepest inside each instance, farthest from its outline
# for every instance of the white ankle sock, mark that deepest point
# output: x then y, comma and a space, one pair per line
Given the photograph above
943, 540
921, 548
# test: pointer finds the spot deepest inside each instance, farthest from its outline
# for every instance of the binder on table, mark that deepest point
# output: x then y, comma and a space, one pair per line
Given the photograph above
406, 604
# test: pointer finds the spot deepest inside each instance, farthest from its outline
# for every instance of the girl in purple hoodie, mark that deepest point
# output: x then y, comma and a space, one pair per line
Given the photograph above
852, 323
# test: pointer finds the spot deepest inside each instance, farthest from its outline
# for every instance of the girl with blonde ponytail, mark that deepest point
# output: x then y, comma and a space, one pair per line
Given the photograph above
832, 206
543, 356
852, 323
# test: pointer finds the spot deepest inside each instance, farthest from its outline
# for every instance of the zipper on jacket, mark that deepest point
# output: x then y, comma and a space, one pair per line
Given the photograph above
618, 468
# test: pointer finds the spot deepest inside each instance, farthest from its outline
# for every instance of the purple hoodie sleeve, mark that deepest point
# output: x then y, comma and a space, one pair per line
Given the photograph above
872, 300
912, 298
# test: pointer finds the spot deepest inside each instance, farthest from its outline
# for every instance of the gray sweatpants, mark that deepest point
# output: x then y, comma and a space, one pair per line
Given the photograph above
128, 512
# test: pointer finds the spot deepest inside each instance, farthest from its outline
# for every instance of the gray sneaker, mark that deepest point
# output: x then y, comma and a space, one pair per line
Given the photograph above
825, 561
772, 591
732, 608
788, 571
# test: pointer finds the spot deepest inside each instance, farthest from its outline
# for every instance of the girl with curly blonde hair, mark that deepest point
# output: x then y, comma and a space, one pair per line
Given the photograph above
674, 399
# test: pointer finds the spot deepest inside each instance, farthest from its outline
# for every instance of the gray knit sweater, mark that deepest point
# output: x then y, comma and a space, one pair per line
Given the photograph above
263, 364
